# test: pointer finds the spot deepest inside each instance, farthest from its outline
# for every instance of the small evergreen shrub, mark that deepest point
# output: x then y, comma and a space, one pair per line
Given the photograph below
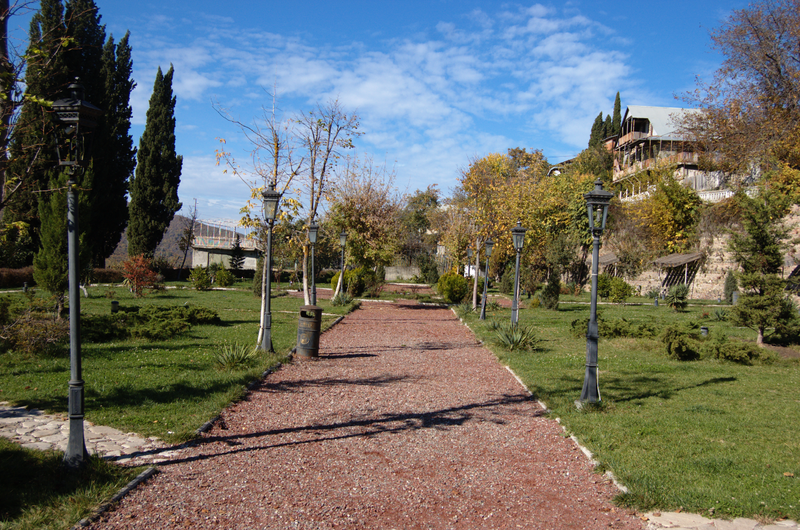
507, 281
603, 285
200, 278
681, 345
453, 287
551, 291
730, 286
654, 292
619, 290
224, 277
428, 270
738, 352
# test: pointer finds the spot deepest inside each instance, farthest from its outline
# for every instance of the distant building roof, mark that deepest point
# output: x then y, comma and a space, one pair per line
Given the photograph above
662, 120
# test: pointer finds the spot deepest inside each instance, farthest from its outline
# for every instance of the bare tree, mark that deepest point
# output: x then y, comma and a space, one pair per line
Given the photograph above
272, 163
187, 237
324, 134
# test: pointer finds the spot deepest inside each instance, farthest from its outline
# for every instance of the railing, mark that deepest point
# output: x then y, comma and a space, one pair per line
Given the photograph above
222, 242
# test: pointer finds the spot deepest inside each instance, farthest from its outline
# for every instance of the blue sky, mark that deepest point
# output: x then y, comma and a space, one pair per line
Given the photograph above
435, 83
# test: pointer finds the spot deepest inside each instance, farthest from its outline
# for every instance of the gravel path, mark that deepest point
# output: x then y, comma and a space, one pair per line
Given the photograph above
405, 421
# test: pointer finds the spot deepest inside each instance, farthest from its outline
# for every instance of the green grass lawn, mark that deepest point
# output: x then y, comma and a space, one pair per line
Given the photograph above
158, 388
37, 492
697, 435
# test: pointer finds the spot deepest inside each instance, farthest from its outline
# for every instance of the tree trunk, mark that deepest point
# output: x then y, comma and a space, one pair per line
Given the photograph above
306, 292
760, 338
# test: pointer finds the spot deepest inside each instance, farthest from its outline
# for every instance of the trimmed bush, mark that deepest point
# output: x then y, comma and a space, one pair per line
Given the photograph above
453, 287
16, 277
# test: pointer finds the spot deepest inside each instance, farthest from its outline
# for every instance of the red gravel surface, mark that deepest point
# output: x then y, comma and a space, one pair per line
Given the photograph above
404, 421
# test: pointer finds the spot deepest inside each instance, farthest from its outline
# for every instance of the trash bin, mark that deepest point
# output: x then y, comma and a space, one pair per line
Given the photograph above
114, 306
308, 330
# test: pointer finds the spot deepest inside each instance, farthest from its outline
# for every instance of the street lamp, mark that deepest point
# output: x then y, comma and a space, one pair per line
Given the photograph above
518, 237
489, 245
469, 261
342, 242
272, 199
313, 229
73, 154
597, 202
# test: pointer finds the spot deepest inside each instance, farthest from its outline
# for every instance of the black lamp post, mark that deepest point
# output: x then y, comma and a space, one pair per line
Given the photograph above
597, 202
489, 245
518, 237
313, 229
342, 242
73, 154
272, 199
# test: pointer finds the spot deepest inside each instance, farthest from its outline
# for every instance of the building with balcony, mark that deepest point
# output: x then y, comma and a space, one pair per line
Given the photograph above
650, 137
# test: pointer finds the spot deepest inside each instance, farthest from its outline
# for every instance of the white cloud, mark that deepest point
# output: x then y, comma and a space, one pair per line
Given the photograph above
485, 82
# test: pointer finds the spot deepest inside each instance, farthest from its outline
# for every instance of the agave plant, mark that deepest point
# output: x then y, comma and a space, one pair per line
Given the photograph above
516, 336
234, 355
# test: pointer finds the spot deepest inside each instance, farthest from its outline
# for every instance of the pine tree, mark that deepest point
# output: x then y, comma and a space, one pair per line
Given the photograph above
237, 256
616, 119
115, 155
759, 252
154, 188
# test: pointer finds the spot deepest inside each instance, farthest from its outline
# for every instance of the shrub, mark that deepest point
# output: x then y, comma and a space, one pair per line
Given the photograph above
729, 287
224, 277
676, 297
139, 274
720, 315
200, 279
653, 292
151, 322
620, 290
107, 276
738, 352
681, 345
464, 309
33, 330
234, 355
453, 287
551, 291
341, 299
428, 270
603, 285
507, 281
516, 336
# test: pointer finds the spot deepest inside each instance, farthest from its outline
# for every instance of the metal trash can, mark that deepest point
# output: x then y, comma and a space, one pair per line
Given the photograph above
308, 330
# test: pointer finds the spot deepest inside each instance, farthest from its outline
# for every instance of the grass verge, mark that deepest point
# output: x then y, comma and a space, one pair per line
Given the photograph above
706, 436
38, 492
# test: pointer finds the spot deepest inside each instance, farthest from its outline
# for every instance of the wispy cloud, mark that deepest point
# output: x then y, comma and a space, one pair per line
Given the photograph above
480, 82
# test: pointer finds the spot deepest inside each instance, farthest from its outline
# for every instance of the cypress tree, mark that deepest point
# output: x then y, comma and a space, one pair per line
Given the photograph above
616, 119
607, 127
596, 135
115, 155
154, 188
81, 24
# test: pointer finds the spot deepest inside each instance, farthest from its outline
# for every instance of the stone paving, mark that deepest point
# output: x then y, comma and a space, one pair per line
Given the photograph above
35, 430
